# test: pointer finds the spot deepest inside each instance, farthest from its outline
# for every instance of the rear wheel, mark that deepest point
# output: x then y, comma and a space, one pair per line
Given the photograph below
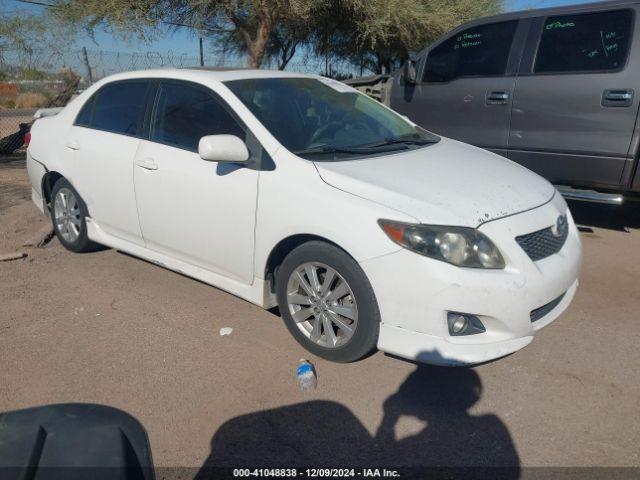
327, 302
68, 213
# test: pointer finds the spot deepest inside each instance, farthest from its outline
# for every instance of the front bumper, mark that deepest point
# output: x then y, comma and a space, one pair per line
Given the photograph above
415, 293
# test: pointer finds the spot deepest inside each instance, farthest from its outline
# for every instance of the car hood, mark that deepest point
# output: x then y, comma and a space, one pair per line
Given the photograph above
448, 183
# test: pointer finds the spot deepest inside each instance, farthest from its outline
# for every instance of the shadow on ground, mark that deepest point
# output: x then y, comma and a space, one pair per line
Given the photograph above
613, 217
325, 433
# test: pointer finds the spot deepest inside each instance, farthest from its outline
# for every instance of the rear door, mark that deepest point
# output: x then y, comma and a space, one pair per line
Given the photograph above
466, 86
104, 140
576, 100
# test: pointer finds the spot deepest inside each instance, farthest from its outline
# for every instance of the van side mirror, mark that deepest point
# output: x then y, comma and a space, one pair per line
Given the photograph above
409, 72
223, 148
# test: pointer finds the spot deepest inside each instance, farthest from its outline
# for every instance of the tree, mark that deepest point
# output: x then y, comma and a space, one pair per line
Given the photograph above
379, 34
376, 34
251, 22
23, 34
281, 46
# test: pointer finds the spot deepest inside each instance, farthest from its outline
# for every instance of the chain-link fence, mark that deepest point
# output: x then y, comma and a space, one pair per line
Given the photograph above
39, 78
47, 78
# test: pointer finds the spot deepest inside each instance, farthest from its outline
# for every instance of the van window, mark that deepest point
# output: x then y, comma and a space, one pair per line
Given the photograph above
185, 114
583, 43
480, 51
119, 107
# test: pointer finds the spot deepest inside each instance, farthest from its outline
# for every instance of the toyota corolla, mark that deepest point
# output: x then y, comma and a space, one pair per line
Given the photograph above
297, 191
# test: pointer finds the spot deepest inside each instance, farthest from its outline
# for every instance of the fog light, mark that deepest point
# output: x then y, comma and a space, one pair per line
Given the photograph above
464, 324
459, 324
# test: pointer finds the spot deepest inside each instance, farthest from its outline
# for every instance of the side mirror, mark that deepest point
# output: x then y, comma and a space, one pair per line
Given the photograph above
223, 148
409, 72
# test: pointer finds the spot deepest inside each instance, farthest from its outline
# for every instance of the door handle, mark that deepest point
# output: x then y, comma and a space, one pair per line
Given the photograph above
147, 164
72, 145
617, 98
498, 97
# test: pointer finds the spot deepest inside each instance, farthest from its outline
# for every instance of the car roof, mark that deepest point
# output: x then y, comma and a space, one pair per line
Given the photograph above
205, 75
542, 12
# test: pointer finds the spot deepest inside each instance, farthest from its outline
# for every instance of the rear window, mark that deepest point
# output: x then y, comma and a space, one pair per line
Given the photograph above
480, 51
587, 42
119, 108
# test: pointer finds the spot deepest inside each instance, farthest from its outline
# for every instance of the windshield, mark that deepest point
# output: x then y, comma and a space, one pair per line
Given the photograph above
322, 119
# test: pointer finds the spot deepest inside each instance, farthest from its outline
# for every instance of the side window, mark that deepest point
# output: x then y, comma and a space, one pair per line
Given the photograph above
84, 117
119, 108
185, 114
586, 42
480, 51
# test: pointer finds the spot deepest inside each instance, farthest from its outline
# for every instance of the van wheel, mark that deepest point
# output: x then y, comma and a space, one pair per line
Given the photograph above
327, 302
68, 213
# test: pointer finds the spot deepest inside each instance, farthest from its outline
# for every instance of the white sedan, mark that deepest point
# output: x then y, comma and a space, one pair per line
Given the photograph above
297, 191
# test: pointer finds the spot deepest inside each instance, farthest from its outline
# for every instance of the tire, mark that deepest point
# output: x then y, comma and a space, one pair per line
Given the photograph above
342, 302
68, 212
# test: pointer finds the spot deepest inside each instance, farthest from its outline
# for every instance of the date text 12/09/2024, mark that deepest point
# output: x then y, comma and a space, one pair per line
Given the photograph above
316, 472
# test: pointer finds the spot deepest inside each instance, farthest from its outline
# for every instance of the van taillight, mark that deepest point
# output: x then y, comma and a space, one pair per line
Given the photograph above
27, 139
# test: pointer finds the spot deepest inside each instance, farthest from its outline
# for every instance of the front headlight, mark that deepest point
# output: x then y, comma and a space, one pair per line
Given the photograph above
461, 246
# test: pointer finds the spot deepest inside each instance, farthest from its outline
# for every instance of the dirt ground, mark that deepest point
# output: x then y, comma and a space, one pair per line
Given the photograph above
108, 328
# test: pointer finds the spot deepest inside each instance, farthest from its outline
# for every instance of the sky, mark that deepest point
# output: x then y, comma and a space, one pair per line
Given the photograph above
183, 41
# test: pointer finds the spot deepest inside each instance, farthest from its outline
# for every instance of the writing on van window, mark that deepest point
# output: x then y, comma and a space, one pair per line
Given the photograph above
610, 41
588, 42
610, 45
467, 40
478, 51
553, 25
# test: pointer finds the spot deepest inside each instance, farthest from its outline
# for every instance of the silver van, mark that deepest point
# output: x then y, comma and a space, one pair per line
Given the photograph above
556, 90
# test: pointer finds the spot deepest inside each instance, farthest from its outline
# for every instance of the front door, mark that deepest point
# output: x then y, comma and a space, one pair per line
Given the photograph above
465, 91
575, 106
200, 212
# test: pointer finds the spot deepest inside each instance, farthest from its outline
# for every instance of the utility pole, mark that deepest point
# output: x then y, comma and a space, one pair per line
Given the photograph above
201, 54
85, 59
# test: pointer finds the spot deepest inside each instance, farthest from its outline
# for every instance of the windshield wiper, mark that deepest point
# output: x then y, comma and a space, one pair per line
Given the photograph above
400, 140
373, 147
328, 149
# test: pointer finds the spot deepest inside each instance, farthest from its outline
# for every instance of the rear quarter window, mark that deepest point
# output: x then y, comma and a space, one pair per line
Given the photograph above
588, 42
84, 117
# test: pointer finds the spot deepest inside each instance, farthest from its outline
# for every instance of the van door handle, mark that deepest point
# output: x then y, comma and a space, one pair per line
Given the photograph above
617, 98
72, 145
498, 97
147, 163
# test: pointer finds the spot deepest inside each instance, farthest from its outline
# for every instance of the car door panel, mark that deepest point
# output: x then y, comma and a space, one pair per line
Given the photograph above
466, 89
443, 108
104, 179
197, 211
200, 212
576, 127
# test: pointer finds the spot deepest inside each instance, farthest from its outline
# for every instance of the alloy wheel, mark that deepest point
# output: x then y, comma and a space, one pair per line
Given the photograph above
322, 304
66, 211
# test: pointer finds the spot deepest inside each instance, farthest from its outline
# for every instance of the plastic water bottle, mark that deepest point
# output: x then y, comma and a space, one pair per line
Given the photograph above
306, 376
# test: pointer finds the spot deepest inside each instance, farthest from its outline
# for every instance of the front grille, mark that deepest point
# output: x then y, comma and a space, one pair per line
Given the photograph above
542, 311
543, 243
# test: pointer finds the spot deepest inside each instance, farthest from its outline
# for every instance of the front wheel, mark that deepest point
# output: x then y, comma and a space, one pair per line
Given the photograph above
327, 302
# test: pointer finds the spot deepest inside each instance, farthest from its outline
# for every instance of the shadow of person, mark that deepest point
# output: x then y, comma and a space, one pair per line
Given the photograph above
453, 437
327, 434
